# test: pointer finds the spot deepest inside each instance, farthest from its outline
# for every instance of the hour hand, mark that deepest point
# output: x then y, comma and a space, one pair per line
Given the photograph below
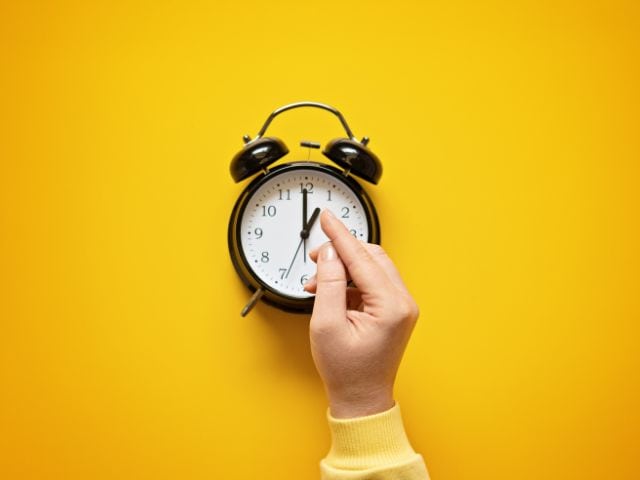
307, 229
304, 233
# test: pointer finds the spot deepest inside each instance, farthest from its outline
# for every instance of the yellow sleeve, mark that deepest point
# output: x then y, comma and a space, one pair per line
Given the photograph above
374, 447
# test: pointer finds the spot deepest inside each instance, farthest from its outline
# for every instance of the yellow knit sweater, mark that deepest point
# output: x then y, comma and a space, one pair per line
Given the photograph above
374, 447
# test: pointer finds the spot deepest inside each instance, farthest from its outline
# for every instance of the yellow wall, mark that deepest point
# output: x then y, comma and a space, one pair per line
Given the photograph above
509, 136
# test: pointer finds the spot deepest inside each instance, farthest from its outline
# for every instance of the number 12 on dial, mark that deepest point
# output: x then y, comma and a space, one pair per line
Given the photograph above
274, 225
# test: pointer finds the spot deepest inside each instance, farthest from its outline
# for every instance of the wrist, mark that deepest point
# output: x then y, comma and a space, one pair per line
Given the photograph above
361, 404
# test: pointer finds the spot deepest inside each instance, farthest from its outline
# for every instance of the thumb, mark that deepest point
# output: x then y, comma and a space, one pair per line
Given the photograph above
331, 291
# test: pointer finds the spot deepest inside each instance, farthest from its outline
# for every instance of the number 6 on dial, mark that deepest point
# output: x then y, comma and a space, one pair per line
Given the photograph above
274, 224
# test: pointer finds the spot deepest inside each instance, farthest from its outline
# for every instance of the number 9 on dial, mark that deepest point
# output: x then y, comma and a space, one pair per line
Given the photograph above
275, 221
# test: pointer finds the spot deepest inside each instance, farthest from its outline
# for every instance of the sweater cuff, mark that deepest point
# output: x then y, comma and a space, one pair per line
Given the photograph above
368, 442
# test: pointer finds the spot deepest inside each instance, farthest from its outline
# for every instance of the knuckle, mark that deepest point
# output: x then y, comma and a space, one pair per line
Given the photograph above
375, 249
362, 256
403, 311
331, 274
415, 312
332, 281
318, 328
408, 310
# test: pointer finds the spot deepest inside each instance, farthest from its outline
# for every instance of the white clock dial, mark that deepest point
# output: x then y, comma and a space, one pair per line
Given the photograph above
272, 221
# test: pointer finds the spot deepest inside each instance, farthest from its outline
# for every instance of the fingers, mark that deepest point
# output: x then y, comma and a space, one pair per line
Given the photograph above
379, 256
366, 273
312, 283
354, 297
331, 287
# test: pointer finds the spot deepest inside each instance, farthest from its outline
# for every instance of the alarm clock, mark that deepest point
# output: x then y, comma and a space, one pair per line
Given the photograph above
274, 223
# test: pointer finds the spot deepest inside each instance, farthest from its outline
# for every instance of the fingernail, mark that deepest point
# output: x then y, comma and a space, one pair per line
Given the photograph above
328, 253
310, 283
330, 213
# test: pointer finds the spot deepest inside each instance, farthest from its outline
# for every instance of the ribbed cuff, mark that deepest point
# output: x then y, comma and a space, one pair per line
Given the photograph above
368, 442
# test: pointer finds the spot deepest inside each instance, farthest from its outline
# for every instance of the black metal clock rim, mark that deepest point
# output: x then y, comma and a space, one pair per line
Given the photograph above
238, 258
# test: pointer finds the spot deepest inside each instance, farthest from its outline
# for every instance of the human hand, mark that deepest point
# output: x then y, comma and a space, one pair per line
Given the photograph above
358, 334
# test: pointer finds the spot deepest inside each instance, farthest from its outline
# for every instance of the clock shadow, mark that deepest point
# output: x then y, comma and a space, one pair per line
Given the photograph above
290, 342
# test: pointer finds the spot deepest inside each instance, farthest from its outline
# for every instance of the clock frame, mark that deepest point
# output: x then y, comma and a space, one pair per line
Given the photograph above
238, 257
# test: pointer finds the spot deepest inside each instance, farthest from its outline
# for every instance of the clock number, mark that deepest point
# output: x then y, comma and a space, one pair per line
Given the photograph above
268, 211
345, 212
308, 186
353, 232
283, 272
285, 195
328, 195
258, 232
304, 279
265, 257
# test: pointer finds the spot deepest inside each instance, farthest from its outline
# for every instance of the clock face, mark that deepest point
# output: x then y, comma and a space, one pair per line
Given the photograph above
272, 221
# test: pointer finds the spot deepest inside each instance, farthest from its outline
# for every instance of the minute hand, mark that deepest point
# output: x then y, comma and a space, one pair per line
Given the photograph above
304, 208
304, 224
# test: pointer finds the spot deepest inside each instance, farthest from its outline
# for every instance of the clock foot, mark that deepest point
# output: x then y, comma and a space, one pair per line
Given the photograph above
252, 302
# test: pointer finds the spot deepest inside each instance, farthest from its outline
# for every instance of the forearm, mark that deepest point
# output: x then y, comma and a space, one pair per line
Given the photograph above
373, 447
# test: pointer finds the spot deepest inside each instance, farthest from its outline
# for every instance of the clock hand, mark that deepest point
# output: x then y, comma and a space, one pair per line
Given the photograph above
304, 208
307, 230
286, 275
304, 234
304, 223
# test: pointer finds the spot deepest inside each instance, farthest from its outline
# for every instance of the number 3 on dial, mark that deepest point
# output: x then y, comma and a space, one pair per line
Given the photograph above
272, 228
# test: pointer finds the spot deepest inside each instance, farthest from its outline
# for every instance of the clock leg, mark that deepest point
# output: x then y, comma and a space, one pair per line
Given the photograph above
252, 302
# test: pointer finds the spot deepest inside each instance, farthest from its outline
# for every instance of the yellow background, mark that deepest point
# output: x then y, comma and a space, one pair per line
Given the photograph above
509, 200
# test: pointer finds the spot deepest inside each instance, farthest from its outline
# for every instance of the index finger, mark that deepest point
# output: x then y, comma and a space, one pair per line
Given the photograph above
364, 270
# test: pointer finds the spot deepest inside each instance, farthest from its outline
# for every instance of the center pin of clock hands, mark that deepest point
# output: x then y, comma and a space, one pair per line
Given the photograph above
304, 234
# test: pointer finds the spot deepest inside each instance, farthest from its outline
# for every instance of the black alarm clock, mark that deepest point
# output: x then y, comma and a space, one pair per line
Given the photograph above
274, 224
